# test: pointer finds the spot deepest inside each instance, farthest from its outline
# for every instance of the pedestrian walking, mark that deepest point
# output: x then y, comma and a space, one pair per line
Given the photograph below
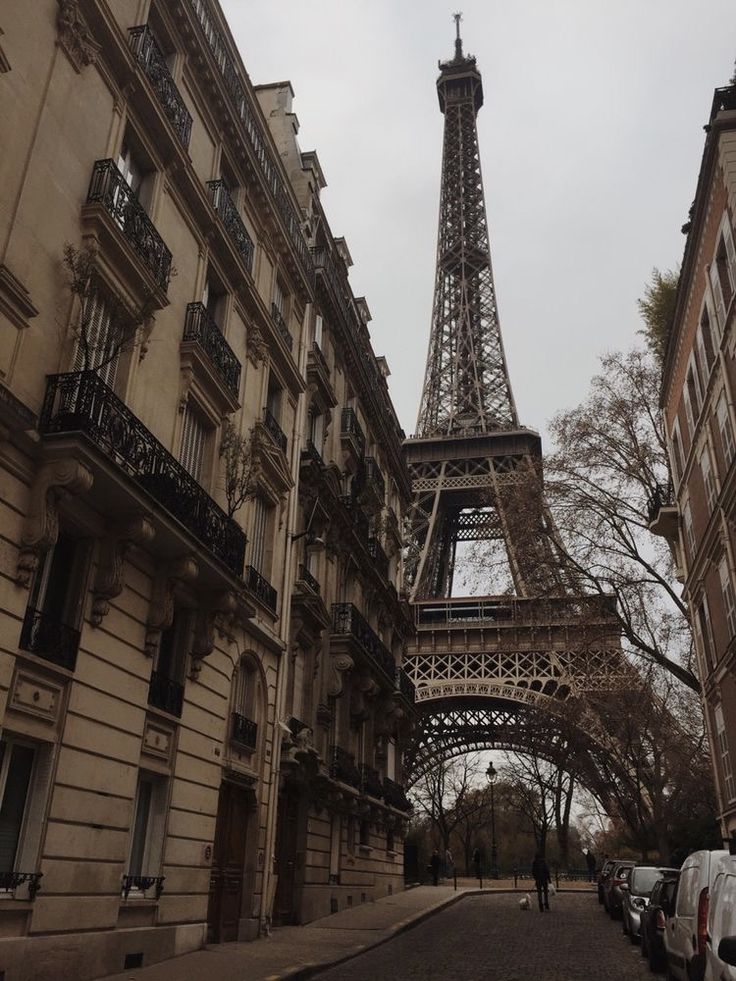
590, 862
449, 864
434, 864
477, 859
542, 879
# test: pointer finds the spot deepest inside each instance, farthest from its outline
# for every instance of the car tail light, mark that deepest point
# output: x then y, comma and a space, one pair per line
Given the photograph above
702, 921
659, 920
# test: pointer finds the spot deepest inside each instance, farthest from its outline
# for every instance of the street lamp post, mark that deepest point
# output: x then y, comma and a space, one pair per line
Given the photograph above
491, 774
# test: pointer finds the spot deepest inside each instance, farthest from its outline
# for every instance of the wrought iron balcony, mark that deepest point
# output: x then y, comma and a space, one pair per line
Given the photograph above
342, 767
357, 516
231, 220
260, 587
349, 426
406, 686
165, 694
380, 559
252, 131
278, 318
151, 59
244, 731
10, 881
347, 620
47, 637
316, 356
306, 577
142, 883
394, 795
373, 481
274, 430
370, 781
109, 188
80, 402
200, 327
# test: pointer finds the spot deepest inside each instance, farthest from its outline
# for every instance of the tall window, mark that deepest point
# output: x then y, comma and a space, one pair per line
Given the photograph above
318, 330
258, 541
729, 788
193, 441
693, 389
676, 454
278, 296
687, 520
726, 429
131, 167
729, 601
100, 338
704, 629
708, 479
16, 772
689, 418
149, 818
704, 339
173, 647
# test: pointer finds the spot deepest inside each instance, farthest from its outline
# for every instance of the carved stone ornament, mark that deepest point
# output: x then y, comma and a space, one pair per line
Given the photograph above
362, 690
339, 664
74, 36
211, 617
255, 346
54, 481
135, 530
161, 611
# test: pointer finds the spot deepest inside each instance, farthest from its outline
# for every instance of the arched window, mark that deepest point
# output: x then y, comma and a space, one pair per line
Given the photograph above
246, 703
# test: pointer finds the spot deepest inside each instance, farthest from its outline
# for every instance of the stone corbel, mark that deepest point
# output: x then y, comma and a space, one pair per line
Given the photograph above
74, 36
211, 617
136, 530
339, 664
54, 481
255, 346
161, 612
187, 378
363, 689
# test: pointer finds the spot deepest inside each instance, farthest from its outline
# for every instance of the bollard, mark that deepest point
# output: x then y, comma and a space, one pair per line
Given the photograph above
516, 876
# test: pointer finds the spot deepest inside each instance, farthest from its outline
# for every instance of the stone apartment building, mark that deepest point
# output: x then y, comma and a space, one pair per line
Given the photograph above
201, 496
698, 389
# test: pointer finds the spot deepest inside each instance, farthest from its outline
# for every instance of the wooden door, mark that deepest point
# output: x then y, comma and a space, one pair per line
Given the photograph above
287, 830
228, 861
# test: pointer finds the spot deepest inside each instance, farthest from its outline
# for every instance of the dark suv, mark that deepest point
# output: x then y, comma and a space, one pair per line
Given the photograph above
613, 896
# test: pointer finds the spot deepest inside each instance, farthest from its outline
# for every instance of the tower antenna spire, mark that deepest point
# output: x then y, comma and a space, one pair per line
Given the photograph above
458, 40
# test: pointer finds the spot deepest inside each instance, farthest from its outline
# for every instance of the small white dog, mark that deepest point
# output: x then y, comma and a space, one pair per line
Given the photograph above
526, 902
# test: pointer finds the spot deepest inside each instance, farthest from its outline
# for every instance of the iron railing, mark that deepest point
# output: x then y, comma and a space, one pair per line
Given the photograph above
244, 731
358, 518
346, 619
663, 496
109, 188
231, 220
10, 881
395, 795
406, 686
306, 576
261, 587
370, 781
380, 559
47, 637
499, 610
316, 356
278, 319
373, 478
80, 402
260, 144
343, 768
349, 426
274, 430
151, 59
200, 327
165, 694
142, 883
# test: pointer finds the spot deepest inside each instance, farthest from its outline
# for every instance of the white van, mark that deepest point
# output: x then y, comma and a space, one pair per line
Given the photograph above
722, 922
686, 932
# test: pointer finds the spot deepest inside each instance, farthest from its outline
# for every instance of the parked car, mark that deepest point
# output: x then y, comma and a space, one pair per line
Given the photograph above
603, 875
686, 931
654, 918
636, 897
720, 946
613, 894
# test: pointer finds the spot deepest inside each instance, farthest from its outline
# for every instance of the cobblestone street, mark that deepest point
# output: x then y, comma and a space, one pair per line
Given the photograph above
489, 937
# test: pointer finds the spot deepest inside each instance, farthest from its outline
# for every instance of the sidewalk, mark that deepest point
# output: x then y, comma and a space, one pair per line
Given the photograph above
296, 952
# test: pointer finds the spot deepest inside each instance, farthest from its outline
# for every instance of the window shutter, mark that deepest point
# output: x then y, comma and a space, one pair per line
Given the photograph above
19, 762
193, 439
97, 351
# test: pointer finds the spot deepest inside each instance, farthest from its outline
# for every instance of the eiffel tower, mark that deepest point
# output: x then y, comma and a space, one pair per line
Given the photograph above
480, 663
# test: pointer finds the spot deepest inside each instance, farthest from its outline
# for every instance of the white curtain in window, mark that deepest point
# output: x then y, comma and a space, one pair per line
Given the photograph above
193, 440
99, 339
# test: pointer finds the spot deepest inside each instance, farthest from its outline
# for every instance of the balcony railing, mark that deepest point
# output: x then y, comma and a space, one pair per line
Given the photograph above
394, 795
380, 559
244, 731
357, 516
498, 610
261, 587
47, 637
165, 694
142, 883
306, 577
109, 188
151, 59
278, 319
373, 478
231, 220
349, 426
80, 402
342, 767
370, 781
200, 327
406, 685
274, 430
347, 620
317, 356
10, 881
260, 144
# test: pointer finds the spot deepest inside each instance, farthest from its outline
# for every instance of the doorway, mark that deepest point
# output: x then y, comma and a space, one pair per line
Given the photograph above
234, 807
285, 906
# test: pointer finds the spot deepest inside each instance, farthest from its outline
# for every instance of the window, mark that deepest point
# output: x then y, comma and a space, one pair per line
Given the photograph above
390, 840
693, 389
689, 418
147, 833
729, 790
193, 441
365, 833
100, 337
709, 482
676, 453
704, 340
335, 842
258, 540
687, 519
704, 631
316, 423
729, 601
318, 330
16, 773
131, 167
278, 296
173, 647
725, 428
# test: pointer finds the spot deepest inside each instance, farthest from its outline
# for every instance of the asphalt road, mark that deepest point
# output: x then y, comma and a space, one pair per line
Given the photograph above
489, 937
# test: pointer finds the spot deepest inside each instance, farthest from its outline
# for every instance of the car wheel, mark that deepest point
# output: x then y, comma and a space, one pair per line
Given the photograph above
633, 938
643, 950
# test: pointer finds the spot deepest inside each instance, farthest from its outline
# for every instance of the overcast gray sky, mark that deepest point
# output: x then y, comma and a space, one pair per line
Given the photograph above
590, 136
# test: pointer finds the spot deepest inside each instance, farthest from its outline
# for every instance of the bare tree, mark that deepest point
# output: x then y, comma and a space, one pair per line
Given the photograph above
240, 465
448, 795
